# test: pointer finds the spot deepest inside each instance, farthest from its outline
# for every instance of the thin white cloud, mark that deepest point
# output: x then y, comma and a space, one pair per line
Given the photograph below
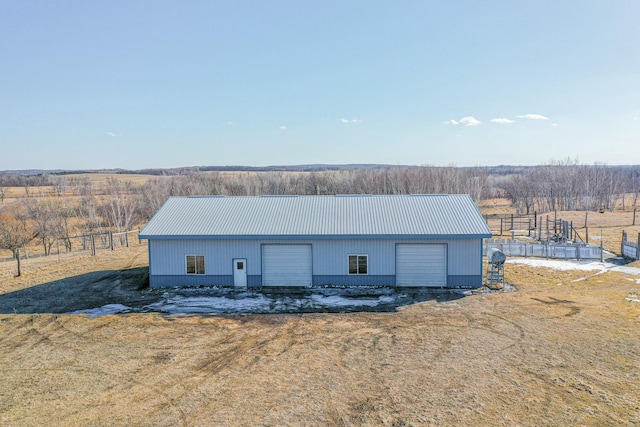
355, 121
554, 125
282, 127
230, 123
465, 121
502, 120
533, 117
112, 134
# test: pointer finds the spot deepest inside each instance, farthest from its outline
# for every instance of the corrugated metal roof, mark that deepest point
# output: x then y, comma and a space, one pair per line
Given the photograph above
318, 216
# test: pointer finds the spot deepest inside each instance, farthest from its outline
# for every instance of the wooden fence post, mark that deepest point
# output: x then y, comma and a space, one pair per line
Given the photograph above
93, 244
638, 247
601, 250
540, 228
586, 235
19, 267
624, 239
547, 227
586, 219
111, 239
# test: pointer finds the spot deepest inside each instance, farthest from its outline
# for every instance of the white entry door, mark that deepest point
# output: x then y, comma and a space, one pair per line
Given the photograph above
240, 272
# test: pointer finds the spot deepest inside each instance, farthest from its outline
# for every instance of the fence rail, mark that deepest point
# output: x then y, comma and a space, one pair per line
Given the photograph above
542, 250
80, 244
512, 224
630, 249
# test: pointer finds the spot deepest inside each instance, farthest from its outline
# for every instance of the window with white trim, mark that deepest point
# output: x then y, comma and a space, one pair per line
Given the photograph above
195, 264
358, 264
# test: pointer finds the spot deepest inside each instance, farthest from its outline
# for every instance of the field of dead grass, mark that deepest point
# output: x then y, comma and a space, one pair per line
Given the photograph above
555, 351
607, 226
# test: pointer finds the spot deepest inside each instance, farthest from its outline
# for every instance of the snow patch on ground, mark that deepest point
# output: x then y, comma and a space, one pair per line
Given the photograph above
185, 304
260, 303
561, 264
104, 310
565, 265
633, 271
633, 298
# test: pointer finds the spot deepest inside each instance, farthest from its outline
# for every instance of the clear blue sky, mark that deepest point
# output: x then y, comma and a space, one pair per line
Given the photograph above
138, 84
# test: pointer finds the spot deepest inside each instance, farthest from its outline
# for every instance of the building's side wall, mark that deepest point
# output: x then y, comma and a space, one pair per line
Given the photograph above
330, 261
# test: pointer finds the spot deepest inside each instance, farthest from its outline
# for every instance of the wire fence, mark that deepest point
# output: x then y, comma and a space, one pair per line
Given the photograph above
82, 244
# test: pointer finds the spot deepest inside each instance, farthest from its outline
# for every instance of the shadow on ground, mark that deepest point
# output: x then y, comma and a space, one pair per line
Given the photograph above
81, 292
125, 291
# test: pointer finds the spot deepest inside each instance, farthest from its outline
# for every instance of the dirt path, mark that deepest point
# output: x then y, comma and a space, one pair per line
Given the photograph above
554, 352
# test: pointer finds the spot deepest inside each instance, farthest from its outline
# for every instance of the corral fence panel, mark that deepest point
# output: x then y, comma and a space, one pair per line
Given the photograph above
630, 249
542, 250
523, 224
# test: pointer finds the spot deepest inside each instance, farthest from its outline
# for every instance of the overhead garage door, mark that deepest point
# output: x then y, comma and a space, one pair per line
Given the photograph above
286, 265
421, 265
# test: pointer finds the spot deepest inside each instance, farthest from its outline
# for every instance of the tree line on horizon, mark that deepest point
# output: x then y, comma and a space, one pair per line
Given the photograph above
73, 205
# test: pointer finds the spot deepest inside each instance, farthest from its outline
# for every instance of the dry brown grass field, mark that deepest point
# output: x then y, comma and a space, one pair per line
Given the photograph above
554, 351
561, 348
101, 178
606, 226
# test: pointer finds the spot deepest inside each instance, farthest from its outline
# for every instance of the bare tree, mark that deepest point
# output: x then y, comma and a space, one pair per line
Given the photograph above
15, 232
65, 226
3, 194
120, 209
60, 186
87, 214
45, 215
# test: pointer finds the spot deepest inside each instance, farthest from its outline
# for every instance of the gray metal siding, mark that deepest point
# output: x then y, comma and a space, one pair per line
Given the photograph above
200, 280
465, 281
190, 280
167, 256
354, 280
330, 262
329, 256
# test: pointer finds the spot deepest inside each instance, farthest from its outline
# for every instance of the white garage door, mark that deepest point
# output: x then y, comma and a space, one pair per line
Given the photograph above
421, 265
286, 265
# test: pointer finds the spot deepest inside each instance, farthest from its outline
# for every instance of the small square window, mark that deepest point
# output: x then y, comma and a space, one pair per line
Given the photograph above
358, 264
195, 264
